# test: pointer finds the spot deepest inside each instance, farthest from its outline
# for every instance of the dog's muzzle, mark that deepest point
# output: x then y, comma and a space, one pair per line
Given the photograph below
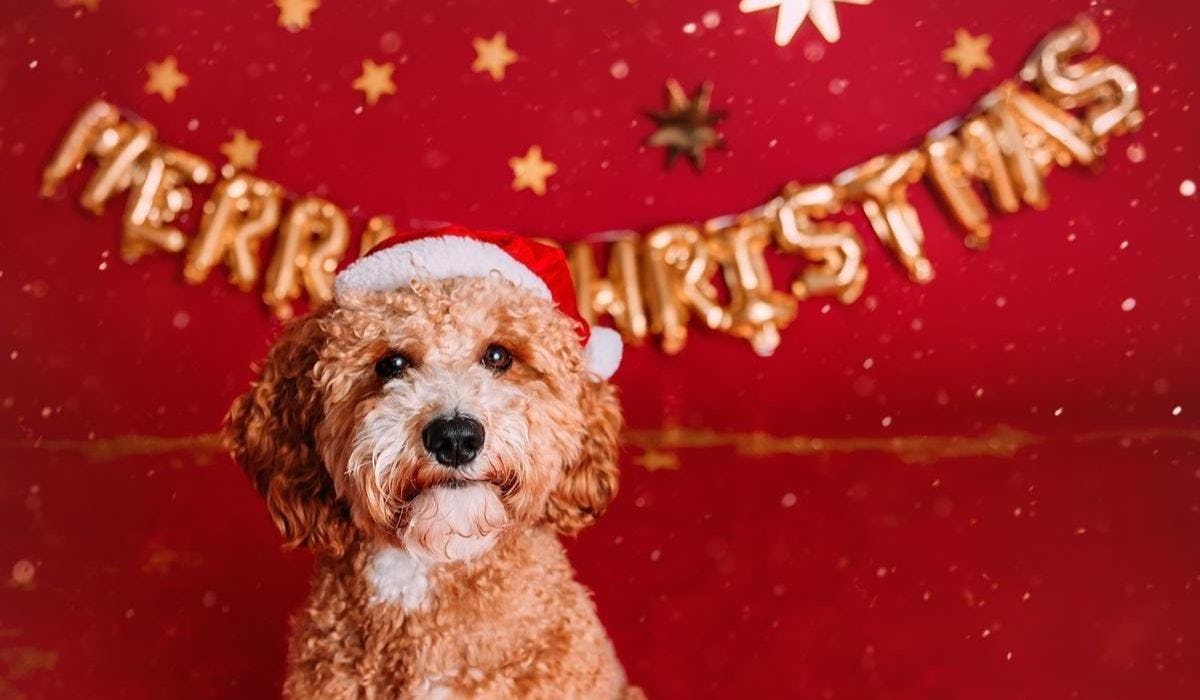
453, 441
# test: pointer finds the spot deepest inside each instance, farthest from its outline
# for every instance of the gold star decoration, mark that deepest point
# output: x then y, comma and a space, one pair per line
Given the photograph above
686, 126
969, 52
165, 78
241, 151
792, 14
492, 56
530, 171
89, 5
656, 460
375, 81
295, 15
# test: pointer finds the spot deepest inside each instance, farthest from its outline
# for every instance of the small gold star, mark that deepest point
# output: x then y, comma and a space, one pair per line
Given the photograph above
295, 15
90, 5
792, 14
530, 171
969, 52
165, 78
375, 81
241, 151
493, 55
686, 126
655, 460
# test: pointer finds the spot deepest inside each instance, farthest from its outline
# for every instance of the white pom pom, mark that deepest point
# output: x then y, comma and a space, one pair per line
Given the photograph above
602, 354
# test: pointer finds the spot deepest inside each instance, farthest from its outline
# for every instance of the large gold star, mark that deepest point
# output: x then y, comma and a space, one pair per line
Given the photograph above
686, 126
493, 55
165, 78
792, 14
241, 151
375, 81
295, 15
969, 52
530, 171
90, 5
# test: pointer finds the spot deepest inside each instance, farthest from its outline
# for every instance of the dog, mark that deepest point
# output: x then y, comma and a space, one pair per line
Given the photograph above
429, 435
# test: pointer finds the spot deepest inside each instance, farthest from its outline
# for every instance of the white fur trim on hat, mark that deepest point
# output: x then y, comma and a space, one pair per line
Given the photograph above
446, 257
437, 258
602, 354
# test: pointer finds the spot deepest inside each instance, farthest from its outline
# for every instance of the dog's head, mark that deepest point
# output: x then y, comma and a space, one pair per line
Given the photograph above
434, 416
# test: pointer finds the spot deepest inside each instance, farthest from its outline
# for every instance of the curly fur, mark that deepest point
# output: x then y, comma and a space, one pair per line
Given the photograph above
436, 582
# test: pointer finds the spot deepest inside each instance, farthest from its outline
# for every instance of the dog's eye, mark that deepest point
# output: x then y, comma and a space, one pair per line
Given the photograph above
392, 365
497, 358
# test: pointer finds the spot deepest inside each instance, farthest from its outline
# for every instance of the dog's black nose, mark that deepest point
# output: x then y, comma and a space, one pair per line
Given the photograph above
453, 441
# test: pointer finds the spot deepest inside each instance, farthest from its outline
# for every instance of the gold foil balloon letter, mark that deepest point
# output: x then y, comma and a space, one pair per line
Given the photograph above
117, 145
619, 295
311, 241
242, 211
881, 185
756, 311
952, 167
85, 132
668, 251
1108, 90
160, 194
834, 247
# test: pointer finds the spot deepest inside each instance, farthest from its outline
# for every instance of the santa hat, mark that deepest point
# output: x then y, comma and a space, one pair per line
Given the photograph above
456, 252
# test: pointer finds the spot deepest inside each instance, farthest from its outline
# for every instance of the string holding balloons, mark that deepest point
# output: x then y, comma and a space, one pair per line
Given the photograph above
1059, 112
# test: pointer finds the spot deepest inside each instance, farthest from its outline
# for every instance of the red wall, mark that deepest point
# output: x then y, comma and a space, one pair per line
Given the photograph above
1049, 551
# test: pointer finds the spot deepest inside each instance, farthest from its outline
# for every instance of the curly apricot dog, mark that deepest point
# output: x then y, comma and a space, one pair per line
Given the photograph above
426, 435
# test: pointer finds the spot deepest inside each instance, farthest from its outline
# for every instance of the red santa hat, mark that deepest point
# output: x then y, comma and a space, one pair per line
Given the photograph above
456, 252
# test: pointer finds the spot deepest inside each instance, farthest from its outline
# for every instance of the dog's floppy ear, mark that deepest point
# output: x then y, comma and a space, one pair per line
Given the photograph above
590, 484
269, 430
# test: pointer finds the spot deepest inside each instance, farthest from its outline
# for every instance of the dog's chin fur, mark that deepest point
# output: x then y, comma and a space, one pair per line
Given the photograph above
454, 522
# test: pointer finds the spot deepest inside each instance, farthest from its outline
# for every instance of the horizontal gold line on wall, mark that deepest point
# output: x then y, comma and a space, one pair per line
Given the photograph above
108, 449
1000, 441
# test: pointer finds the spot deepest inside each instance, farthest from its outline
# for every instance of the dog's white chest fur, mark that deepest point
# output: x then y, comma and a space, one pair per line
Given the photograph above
398, 577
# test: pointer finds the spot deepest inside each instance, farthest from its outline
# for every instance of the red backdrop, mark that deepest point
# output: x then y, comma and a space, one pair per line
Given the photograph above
986, 486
